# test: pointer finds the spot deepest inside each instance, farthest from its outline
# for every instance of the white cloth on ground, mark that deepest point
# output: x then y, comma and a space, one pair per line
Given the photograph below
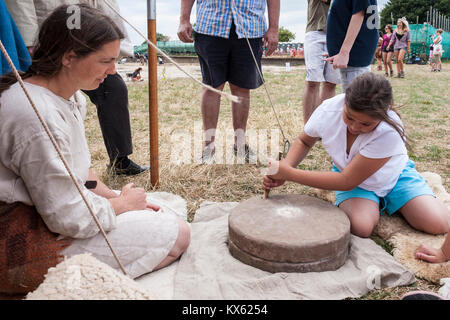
208, 271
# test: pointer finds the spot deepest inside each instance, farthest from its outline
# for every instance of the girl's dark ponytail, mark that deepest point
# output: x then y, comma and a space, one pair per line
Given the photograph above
372, 94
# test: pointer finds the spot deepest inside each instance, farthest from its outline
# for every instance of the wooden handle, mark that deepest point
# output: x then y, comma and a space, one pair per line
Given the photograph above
266, 193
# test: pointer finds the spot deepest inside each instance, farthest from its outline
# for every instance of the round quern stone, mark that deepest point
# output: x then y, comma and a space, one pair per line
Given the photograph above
289, 233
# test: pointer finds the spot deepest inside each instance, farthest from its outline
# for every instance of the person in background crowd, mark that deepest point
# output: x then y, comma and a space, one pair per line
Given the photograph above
321, 77
378, 52
387, 54
401, 41
136, 76
437, 51
221, 35
352, 37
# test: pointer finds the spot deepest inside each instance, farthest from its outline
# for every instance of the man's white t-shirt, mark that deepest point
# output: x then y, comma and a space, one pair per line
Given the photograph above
384, 141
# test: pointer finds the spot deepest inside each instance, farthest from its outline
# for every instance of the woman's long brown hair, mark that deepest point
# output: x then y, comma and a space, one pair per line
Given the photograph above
56, 38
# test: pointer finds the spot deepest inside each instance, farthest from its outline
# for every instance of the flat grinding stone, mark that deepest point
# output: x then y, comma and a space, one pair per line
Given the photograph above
289, 233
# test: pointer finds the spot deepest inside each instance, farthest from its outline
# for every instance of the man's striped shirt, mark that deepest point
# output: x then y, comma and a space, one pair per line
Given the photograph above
214, 17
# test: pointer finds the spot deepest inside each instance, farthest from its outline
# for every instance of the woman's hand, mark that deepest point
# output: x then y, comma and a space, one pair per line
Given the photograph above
132, 199
153, 207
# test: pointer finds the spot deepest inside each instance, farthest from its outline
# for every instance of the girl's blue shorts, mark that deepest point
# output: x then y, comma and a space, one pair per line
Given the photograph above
410, 184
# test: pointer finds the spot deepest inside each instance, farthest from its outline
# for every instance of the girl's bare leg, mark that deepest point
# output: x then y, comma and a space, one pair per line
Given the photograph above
363, 214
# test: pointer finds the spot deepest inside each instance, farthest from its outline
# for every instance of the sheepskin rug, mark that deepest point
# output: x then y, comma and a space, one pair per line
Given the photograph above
82, 277
404, 239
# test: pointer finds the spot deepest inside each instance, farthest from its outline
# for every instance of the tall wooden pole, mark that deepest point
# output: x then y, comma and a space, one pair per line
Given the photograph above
153, 95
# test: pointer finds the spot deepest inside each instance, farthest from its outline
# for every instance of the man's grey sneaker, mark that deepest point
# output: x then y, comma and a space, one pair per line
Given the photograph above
245, 154
207, 155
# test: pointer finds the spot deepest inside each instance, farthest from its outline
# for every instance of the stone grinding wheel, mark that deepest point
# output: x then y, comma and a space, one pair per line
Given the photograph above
289, 233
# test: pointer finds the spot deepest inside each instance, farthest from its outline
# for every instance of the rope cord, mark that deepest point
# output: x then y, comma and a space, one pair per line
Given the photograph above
59, 152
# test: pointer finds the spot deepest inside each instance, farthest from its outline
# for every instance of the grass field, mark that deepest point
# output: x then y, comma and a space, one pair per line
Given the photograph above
422, 97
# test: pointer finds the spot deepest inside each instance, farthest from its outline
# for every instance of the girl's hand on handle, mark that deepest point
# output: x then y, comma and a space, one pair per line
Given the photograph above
278, 170
275, 175
269, 183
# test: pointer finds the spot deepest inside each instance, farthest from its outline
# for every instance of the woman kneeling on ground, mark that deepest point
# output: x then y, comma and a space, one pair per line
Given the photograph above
42, 214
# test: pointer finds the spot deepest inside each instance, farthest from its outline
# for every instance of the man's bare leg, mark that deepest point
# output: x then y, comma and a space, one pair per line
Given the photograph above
210, 107
310, 99
328, 91
240, 113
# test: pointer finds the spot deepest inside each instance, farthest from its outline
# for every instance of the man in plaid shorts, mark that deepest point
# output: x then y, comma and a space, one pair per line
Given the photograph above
220, 42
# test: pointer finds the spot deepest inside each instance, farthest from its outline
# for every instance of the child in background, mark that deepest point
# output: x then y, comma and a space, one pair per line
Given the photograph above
365, 138
437, 51
378, 54
136, 76
387, 54
431, 56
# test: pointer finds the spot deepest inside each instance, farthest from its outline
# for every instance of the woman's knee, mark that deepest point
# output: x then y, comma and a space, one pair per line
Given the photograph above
183, 240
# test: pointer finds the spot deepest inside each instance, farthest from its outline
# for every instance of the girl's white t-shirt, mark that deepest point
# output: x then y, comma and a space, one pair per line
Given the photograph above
384, 141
